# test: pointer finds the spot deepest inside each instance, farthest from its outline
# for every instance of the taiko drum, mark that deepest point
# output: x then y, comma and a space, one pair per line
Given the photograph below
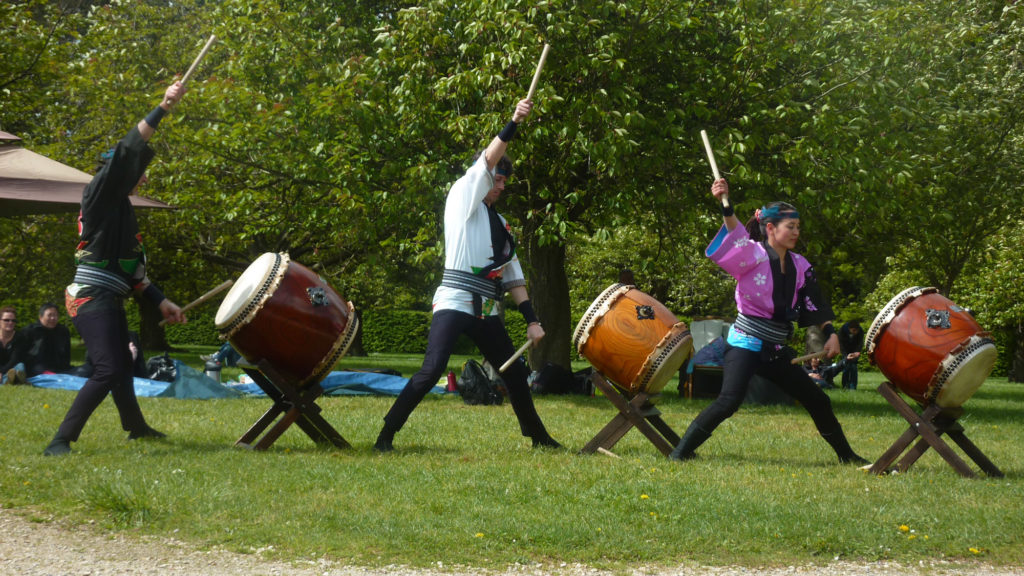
282, 312
632, 339
930, 348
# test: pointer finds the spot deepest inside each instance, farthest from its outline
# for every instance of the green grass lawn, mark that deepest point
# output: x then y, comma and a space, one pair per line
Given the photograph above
464, 488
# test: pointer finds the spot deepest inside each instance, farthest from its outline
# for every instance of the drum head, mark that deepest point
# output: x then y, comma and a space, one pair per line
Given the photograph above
250, 288
963, 372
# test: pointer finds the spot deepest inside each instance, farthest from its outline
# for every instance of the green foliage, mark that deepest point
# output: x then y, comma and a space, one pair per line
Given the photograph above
332, 131
395, 331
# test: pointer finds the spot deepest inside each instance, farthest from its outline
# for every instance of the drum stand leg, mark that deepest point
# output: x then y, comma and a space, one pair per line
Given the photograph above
293, 405
930, 425
637, 412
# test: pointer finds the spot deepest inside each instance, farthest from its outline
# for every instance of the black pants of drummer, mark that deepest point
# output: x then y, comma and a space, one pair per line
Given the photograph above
492, 340
105, 333
739, 368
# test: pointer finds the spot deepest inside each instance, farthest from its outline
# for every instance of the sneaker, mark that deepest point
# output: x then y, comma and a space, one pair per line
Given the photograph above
16, 376
58, 447
208, 358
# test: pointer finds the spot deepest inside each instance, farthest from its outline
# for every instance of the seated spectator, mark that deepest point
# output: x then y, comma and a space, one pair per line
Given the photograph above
47, 344
226, 356
12, 348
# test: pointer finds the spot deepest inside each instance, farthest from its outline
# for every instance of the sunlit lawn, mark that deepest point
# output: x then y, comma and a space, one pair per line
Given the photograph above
463, 487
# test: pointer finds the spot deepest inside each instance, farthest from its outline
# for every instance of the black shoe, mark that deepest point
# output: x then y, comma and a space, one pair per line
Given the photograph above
680, 456
58, 447
384, 442
854, 459
146, 432
546, 442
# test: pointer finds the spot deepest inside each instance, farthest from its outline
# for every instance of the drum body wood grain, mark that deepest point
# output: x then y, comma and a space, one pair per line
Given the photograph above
282, 312
929, 348
633, 339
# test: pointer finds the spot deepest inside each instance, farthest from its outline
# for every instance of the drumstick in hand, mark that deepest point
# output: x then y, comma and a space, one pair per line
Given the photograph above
714, 166
536, 75
806, 357
192, 68
515, 356
224, 286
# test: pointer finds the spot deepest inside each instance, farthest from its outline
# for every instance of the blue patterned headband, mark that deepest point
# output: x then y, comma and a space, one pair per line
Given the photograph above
501, 171
773, 213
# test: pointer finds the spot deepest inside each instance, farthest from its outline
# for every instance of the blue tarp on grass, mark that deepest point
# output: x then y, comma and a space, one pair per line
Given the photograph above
191, 383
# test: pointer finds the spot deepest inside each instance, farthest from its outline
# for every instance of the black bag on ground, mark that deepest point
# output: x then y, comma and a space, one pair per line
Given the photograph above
161, 368
556, 379
476, 387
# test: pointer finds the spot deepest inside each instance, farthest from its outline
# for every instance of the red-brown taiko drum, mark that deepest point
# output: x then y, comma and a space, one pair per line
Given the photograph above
282, 312
632, 339
930, 348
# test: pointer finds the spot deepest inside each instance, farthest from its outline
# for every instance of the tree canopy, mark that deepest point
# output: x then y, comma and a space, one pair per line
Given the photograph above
332, 130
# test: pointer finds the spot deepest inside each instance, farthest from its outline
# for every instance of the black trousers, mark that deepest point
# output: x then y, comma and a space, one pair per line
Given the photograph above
105, 332
740, 366
492, 340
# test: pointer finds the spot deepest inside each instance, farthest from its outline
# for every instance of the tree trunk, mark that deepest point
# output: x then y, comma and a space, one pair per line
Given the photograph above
549, 292
1016, 373
152, 335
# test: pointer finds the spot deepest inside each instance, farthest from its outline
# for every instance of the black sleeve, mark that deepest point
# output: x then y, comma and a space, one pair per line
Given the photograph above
812, 307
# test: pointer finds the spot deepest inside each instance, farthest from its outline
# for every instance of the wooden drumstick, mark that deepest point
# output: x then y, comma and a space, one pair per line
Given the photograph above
515, 356
806, 357
536, 75
714, 166
224, 286
184, 79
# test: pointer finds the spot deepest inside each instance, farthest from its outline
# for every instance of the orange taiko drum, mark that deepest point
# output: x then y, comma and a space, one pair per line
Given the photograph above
633, 339
280, 311
930, 348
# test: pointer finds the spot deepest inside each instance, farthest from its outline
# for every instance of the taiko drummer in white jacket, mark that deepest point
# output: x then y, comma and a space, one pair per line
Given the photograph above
480, 267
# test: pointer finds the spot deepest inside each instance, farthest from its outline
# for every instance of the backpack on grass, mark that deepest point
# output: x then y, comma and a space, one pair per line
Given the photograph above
476, 387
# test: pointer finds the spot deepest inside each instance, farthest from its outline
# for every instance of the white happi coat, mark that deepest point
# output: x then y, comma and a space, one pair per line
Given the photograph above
467, 241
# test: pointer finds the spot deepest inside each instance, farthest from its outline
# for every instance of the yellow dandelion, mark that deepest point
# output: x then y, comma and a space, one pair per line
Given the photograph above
46, 406
912, 536
478, 535
904, 528
26, 482
644, 496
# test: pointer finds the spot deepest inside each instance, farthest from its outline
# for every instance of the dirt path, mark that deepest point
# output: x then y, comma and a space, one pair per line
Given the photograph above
30, 548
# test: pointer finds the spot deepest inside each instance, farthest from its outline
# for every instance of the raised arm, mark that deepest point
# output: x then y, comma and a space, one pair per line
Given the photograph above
719, 189
496, 149
147, 126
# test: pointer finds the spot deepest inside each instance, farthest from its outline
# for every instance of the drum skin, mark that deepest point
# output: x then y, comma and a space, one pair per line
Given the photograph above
632, 339
930, 348
289, 316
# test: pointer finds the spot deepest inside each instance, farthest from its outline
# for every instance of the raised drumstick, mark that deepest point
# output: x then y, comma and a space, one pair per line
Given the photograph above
536, 75
191, 69
714, 166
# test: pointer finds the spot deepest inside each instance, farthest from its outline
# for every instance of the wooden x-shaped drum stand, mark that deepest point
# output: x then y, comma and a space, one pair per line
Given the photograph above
930, 425
293, 405
637, 412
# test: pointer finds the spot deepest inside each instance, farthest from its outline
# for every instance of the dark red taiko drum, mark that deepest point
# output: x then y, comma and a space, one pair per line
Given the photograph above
633, 339
930, 348
282, 312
